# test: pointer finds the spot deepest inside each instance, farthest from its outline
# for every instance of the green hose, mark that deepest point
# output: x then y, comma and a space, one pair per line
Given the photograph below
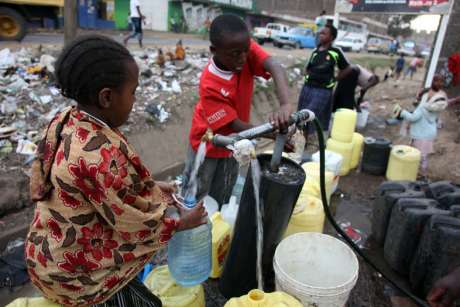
339, 230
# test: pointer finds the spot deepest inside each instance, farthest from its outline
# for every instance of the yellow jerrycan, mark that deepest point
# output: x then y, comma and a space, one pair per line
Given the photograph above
258, 298
312, 179
345, 150
404, 163
32, 301
344, 125
161, 283
308, 216
358, 142
221, 234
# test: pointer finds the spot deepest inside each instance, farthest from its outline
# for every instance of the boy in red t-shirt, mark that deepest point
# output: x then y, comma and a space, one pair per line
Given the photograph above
226, 89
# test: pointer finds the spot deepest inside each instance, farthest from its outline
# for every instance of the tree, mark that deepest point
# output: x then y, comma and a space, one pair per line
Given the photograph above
70, 20
399, 25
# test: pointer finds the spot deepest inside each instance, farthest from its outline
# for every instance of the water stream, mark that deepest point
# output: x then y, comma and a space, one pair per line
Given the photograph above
192, 183
256, 173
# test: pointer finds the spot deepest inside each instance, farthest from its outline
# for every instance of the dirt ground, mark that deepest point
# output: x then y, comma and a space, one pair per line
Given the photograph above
353, 202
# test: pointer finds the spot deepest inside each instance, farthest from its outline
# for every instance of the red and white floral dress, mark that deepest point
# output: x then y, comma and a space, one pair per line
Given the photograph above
99, 215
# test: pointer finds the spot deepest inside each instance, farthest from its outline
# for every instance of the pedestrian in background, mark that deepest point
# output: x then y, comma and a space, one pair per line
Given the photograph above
399, 66
136, 20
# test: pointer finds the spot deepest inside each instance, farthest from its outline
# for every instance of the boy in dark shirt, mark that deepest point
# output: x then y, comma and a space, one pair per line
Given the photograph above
320, 80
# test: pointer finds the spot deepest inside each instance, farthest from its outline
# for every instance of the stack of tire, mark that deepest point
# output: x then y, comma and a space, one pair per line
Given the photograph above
345, 141
418, 226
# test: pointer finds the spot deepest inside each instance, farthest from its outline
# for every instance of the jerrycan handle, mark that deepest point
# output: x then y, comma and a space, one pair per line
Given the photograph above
232, 202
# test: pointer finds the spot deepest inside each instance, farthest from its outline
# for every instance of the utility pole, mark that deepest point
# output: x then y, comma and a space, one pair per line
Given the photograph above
70, 20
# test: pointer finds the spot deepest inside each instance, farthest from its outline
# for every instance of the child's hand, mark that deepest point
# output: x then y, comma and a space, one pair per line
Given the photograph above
281, 119
396, 111
445, 291
191, 218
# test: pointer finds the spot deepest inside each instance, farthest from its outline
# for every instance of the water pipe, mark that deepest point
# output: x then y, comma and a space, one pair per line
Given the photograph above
258, 131
280, 141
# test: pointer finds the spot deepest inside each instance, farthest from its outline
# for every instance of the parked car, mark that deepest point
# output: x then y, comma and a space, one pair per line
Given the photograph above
408, 48
426, 52
262, 35
378, 45
296, 38
350, 44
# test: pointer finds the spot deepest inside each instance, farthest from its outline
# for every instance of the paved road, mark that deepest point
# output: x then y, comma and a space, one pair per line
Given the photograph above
151, 39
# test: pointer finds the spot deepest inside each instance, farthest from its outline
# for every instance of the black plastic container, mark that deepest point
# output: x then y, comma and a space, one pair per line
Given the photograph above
438, 189
407, 220
455, 211
376, 153
437, 254
278, 195
387, 195
448, 200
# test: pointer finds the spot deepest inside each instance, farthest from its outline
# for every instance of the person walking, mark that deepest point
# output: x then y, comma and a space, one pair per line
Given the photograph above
136, 21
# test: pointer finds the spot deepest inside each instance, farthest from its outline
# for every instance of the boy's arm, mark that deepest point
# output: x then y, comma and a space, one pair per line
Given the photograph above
281, 118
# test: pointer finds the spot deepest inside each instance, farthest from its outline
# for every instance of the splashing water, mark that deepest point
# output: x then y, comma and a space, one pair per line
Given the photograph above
192, 183
255, 170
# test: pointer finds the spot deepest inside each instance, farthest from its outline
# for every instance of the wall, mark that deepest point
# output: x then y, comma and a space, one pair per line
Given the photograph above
121, 14
156, 12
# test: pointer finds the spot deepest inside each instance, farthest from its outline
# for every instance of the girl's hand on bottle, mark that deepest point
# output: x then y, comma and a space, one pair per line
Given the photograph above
191, 218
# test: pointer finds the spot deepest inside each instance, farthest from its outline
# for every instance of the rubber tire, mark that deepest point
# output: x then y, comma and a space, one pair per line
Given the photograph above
297, 46
21, 23
260, 41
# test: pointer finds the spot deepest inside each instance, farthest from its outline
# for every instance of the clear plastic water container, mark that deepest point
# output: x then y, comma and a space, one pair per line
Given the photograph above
238, 188
190, 253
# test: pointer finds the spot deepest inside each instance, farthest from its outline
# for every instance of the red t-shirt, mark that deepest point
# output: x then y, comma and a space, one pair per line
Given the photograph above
224, 97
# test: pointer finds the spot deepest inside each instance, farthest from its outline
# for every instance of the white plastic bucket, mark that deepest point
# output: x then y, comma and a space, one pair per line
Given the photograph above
317, 269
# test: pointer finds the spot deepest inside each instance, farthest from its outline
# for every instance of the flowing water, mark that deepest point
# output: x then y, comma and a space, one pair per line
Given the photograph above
256, 172
192, 183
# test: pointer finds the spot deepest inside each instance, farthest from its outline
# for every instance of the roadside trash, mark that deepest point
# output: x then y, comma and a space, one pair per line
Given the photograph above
5, 148
13, 269
175, 86
8, 105
47, 61
353, 233
7, 59
6, 132
158, 111
46, 99
54, 91
26, 147
16, 86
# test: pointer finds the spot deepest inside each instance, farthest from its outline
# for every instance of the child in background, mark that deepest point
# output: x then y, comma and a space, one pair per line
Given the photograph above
100, 216
399, 66
423, 121
226, 90
412, 69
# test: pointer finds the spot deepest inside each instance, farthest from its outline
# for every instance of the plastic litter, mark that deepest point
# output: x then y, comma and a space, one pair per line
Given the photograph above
26, 147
